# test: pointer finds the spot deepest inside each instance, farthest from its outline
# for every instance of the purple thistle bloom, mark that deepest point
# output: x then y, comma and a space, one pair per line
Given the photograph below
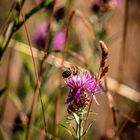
82, 83
39, 35
58, 41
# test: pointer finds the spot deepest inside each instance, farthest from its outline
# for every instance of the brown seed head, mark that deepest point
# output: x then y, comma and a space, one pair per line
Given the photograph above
104, 53
104, 49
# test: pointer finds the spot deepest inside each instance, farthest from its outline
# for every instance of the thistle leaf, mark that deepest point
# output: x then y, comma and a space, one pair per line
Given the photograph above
87, 129
68, 131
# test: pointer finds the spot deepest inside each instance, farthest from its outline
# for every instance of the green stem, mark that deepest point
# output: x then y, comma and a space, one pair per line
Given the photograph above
7, 38
79, 125
14, 26
78, 131
28, 15
10, 29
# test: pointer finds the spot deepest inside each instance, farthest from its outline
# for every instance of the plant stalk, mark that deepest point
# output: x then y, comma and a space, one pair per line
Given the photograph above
10, 29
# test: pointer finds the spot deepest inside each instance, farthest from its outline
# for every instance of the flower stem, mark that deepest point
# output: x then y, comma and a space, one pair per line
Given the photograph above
79, 125
28, 15
78, 130
14, 26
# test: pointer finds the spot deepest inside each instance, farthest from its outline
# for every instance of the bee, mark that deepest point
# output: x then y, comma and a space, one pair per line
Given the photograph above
73, 70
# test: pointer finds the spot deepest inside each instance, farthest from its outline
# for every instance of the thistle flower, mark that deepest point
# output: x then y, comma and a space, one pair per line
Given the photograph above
80, 86
39, 35
82, 103
58, 41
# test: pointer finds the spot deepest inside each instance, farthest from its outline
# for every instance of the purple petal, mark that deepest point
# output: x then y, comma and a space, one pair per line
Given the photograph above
58, 41
70, 96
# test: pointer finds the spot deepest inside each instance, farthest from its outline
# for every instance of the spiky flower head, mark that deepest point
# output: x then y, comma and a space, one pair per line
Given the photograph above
80, 86
82, 103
